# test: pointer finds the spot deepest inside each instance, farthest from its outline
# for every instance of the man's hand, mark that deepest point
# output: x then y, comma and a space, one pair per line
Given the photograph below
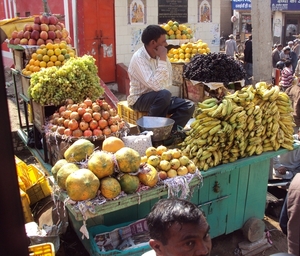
161, 52
281, 170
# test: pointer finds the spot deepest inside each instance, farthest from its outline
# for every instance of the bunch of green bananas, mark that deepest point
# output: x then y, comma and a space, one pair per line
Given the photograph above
249, 122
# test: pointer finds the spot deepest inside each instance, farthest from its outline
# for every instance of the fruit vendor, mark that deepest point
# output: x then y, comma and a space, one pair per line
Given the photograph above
150, 74
178, 227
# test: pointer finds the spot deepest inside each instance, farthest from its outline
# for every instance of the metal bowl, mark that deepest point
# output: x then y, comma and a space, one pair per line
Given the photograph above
160, 126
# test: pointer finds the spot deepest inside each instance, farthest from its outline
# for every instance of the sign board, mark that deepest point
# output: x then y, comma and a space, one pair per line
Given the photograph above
176, 10
276, 5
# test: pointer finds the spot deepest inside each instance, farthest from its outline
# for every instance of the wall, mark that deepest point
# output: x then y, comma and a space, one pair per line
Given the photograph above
225, 23
126, 44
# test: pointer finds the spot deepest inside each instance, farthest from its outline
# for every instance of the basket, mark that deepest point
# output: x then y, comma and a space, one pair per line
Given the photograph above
41, 187
128, 114
25, 206
45, 249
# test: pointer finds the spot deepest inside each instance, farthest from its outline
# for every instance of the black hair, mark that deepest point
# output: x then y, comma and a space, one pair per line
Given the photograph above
288, 63
152, 32
167, 212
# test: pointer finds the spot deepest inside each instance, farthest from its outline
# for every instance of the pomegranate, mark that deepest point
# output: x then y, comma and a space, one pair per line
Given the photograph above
88, 102
97, 132
105, 114
96, 116
66, 123
83, 125
93, 124
68, 132
87, 117
114, 128
75, 115
106, 131
87, 133
81, 111
73, 124
102, 123
77, 133
61, 130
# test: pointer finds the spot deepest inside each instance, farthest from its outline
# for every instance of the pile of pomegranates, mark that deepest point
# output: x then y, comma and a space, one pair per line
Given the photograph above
86, 119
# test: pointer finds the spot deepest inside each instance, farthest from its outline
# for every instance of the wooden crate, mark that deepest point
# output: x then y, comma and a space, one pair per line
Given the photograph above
25, 85
177, 76
40, 113
19, 59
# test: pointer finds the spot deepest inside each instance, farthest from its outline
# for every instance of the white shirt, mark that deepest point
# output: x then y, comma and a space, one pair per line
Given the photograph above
147, 74
150, 253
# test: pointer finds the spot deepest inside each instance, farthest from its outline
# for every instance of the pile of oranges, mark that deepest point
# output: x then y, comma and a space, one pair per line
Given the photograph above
48, 55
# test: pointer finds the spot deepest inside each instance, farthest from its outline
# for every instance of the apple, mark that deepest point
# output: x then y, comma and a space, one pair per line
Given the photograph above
24, 41
40, 41
37, 20
44, 27
44, 35
49, 41
20, 34
53, 20
31, 41
58, 27
14, 34
69, 40
51, 35
56, 41
52, 27
58, 34
61, 24
36, 27
11, 41
27, 34
35, 34
17, 40
44, 19
64, 33
27, 27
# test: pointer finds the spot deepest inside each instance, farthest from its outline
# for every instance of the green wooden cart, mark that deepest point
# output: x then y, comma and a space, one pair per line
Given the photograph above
229, 195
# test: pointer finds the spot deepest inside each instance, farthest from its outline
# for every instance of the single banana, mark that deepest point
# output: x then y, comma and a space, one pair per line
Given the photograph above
275, 94
225, 107
267, 93
215, 129
217, 111
229, 107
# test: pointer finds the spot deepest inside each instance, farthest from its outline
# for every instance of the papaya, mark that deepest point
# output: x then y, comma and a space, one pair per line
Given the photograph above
82, 184
79, 150
57, 166
64, 172
110, 187
149, 177
128, 159
129, 183
101, 164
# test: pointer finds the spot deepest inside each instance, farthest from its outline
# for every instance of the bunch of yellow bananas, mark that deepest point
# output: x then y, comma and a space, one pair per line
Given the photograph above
251, 121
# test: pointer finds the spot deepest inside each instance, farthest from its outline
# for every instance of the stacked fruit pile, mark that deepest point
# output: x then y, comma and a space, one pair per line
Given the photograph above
115, 169
187, 51
168, 162
77, 79
48, 55
177, 31
45, 29
250, 121
85, 119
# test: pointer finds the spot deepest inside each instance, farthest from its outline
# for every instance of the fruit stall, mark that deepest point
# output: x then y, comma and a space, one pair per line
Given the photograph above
109, 177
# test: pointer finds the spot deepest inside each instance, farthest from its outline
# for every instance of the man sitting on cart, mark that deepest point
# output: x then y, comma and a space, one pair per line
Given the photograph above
150, 74
178, 227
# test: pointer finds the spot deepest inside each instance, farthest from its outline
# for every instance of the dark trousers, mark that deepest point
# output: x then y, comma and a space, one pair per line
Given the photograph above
162, 103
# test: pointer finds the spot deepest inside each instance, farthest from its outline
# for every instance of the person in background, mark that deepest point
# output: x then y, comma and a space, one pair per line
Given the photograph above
276, 57
297, 69
287, 75
230, 46
285, 54
178, 227
289, 220
248, 62
296, 47
294, 93
290, 45
150, 74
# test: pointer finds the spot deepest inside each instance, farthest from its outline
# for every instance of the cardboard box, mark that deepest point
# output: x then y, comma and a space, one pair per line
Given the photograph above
177, 76
194, 91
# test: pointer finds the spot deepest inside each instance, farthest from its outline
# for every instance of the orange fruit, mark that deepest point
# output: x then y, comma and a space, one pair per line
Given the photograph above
43, 64
50, 52
39, 57
39, 51
46, 58
31, 62
53, 58
36, 63
57, 63
63, 51
55, 46
62, 45
57, 51
36, 69
50, 64
72, 54
31, 67
67, 56
34, 56
49, 46
44, 51
42, 46
60, 57
27, 66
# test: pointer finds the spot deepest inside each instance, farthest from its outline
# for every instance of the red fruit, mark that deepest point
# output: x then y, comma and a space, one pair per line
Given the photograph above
105, 114
97, 132
51, 35
27, 27
11, 41
96, 116
58, 27
40, 41
52, 27
56, 41
36, 27
88, 102
31, 41
44, 27
27, 34
114, 128
44, 35
83, 125
74, 115
87, 117
73, 124
81, 111
93, 124
37, 20
20, 34
17, 41
66, 123
87, 133
61, 130
14, 34
53, 20
77, 133
68, 132
102, 123
35, 34
44, 19
49, 41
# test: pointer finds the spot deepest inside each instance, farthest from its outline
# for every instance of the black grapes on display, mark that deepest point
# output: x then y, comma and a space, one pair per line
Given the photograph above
214, 67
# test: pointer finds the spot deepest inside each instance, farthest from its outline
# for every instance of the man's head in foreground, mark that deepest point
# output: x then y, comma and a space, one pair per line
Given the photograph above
178, 227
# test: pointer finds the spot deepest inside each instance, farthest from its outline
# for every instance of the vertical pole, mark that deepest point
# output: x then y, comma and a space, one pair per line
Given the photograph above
262, 40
